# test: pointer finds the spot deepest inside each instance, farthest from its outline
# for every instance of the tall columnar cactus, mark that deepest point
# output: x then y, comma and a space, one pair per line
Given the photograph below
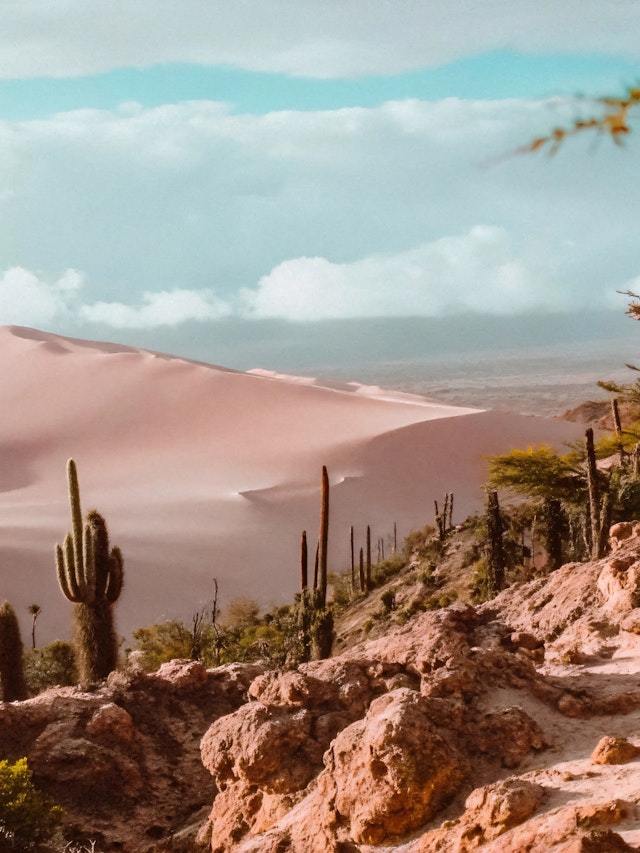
90, 574
12, 681
593, 486
496, 556
323, 541
304, 561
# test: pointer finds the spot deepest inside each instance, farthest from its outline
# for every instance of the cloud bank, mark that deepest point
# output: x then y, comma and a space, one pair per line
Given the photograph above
312, 38
190, 212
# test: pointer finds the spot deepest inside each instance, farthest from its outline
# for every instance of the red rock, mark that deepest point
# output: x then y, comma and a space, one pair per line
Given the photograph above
614, 750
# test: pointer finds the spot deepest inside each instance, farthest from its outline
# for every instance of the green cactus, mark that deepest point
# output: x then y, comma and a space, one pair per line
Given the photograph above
323, 540
90, 574
12, 681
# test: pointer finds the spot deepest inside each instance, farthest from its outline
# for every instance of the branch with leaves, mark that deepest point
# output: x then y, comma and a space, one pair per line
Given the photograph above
614, 122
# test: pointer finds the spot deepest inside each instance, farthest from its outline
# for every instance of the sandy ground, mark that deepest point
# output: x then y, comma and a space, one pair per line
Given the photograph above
204, 472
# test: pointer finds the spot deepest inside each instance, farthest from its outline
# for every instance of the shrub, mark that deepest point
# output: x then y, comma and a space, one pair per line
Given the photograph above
172, 639
27, 816
388, 600
50, 666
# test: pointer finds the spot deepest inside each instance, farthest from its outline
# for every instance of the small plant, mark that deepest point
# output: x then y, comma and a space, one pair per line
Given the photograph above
27, 816
388, 600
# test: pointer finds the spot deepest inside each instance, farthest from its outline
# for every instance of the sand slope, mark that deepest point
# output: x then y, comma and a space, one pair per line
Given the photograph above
205, 472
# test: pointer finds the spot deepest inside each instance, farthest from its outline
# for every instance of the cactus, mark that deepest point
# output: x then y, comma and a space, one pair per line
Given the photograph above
90, 575
496, 556
353, 562
303, 561
324, 537
12, 680
597, 549
368, 567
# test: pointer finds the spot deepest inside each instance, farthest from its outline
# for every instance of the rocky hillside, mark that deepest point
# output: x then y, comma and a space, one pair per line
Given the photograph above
509, 726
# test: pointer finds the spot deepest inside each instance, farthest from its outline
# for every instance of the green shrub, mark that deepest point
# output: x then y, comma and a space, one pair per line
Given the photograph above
424, 543
50, 666
173, 639
27, 816
388, 600
386, 569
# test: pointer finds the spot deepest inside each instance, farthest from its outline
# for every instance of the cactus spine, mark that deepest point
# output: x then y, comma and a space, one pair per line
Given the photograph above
12, 681
90, 574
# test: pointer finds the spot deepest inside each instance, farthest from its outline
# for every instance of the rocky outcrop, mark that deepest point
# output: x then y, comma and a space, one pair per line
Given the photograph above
429, 724
124, 760
506, 727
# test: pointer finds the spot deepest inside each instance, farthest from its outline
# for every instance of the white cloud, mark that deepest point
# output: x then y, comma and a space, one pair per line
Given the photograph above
167, 308
315, 38
170, 212
27, 300
481, 271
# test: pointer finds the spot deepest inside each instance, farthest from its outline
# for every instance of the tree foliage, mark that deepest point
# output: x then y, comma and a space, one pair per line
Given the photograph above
612, 120
538, 472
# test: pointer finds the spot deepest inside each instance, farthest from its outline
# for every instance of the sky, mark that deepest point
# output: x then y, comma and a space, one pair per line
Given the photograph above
259, 179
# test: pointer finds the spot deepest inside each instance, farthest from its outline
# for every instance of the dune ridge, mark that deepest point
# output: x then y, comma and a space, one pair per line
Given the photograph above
203, 471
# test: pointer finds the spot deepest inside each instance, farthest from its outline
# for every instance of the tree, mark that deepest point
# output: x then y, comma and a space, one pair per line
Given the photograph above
35, 610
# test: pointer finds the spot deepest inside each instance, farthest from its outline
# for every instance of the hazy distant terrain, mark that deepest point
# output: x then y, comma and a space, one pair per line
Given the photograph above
541, 364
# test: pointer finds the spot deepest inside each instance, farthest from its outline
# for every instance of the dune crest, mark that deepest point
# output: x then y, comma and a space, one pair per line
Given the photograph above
206, 472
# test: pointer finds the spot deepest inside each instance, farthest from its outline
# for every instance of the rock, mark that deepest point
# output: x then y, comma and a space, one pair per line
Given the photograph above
622, 531
111, 722
614, 750
524, 640
178, 674
509, 735
250, 746
493, 809
392, 770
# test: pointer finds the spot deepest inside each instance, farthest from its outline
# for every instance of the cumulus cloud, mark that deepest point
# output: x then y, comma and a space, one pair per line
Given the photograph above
314, 38
166, 308
171, 212
28, 300
482, 271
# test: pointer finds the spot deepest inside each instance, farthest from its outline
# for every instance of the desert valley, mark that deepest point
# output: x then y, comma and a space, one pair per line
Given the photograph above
439, 723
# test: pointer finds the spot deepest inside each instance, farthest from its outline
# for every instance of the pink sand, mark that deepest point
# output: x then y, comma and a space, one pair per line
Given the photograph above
204, 472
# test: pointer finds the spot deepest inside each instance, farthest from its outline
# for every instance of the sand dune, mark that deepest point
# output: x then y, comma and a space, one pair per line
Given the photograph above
206, 472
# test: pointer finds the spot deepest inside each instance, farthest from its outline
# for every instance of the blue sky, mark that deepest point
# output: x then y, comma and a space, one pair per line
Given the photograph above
255, 165
496, 74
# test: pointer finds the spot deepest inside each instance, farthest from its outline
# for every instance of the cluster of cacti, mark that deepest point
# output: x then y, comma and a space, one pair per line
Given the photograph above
90, 575
315, 620
12, 680
444, 519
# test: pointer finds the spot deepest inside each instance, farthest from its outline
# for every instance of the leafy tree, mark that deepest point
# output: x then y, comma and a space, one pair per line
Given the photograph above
538, 472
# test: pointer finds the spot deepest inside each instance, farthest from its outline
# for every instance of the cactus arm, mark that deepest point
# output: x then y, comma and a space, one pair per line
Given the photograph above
115, 575
89, 565
76, 516
65, 577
